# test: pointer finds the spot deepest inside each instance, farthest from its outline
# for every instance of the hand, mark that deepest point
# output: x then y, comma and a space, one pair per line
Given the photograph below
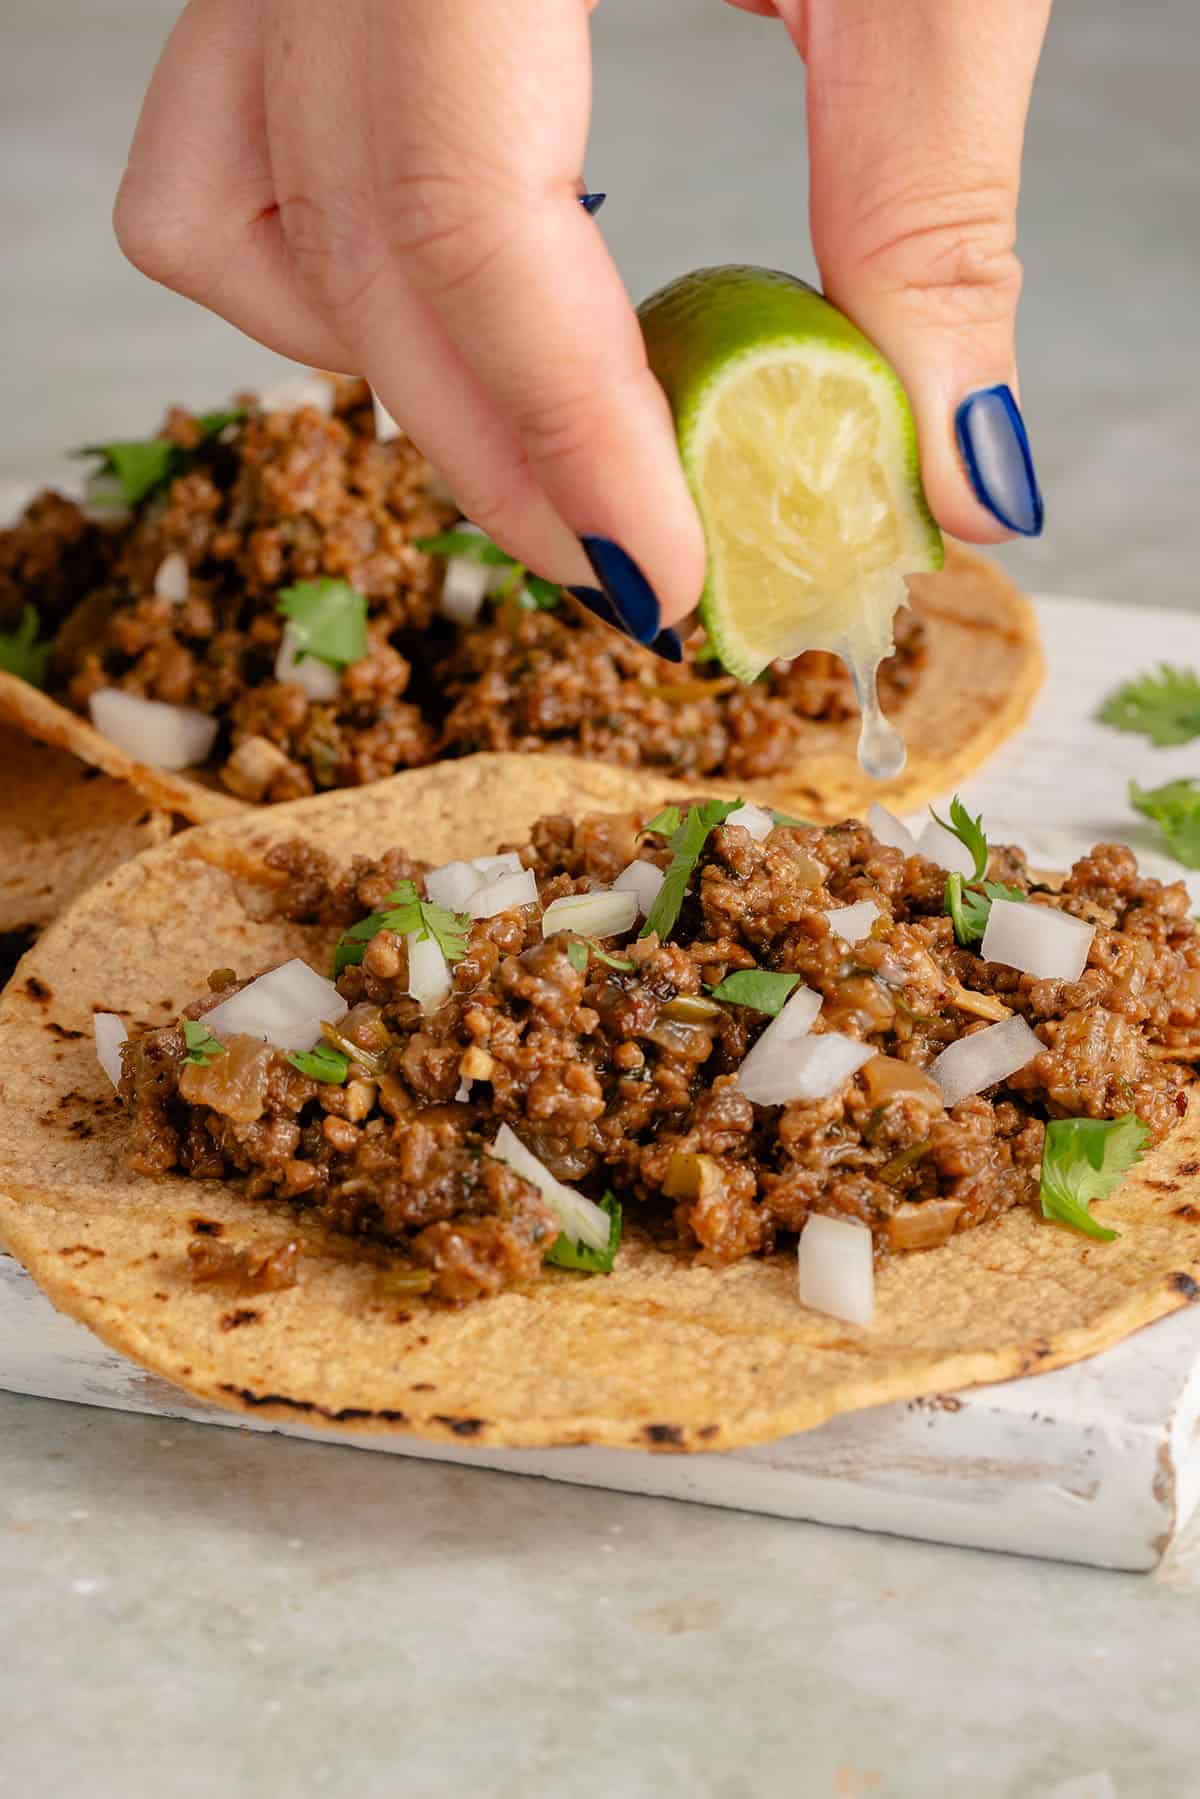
916, 115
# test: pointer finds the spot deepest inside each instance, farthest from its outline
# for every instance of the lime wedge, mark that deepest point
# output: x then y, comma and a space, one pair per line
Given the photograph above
799, 446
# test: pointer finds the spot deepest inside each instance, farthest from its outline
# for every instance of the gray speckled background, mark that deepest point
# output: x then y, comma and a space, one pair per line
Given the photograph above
193, 1612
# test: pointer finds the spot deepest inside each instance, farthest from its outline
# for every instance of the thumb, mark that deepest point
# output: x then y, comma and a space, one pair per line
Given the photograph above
916, 119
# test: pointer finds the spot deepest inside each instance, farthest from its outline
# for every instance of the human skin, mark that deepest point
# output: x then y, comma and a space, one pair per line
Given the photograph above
397, 195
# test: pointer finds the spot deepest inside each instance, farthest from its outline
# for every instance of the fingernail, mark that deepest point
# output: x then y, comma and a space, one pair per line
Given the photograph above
630, 595
668, 645
995, 449
592, 202
594, 601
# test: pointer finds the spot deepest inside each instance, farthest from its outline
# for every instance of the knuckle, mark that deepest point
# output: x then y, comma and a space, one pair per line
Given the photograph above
953, 254
157, 233
333, 251
444, 229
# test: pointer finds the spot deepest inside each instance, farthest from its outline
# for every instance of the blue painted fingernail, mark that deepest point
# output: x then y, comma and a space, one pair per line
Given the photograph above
667, 644
594, 601
592, 202
995, 448
631, 596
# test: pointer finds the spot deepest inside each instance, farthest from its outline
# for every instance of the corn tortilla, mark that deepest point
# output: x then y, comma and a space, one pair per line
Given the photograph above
659, 1355
983, 669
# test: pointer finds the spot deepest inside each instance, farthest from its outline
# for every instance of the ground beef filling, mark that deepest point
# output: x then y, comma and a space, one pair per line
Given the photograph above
292, 496
626, 1079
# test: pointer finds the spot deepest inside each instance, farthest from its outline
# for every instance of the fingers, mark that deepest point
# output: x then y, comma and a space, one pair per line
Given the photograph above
916, 119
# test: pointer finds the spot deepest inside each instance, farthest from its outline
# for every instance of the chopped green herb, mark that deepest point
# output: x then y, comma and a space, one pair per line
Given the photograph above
687, 842
203, 1047
757, 987
1175, 809
1083, 1159
969, 832
902, 1160
141, 465
20, 652
577, 955
544, 594
406, 911
969, 907
1163, 706
664, 823
322, 1064
329, 620
580, 948
796, 824
466, 546
566, 1254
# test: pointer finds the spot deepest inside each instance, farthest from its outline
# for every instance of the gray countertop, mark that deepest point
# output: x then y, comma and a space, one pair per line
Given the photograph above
189, 1611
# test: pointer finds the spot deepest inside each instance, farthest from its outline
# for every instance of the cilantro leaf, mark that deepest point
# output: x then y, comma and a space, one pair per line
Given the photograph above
20, 652
543, 594
466, 546
566, 1254
757, 987
406, 911
577, 955
141, 465
324, 1063
581, 948
687, 842
664, 823
203, 1047
970, 907
329, 620
1175, 809
1084, 1159
1164, 706
969, 832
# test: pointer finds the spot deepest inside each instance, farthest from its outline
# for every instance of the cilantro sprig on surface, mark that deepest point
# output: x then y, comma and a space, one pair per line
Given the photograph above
405, 911
20, 652
324, 1063
139, 466
687, 837
531, 592
1163, 706
581, 949
970, 907
567, 1254
761, 988
328, 619
203, 1047
1175, 809
1084, 1159
969, 832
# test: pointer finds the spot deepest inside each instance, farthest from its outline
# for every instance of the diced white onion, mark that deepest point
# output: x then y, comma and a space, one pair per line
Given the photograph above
891, 830
285, 1006
760, 824
452, 885
464, 586
582, 1221
853, 923
837, 1268
462, 1092
939, 845
490, 868
150, 730
605, 913
319, 681
1039, 940
385, 425
643, 880
983, 1058
765, 1071
429, 979
504, 895
295, 391
819, 1067
110, 1031
171, 578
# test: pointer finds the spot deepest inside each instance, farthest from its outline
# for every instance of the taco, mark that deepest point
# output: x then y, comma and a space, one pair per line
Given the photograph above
531, 1171
266, 593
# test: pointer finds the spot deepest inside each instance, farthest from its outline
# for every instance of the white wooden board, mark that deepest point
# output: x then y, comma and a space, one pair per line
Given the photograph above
1099, 1463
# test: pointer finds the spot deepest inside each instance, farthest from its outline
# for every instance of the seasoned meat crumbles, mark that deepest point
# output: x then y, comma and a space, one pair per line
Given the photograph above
287, 497
612, 1064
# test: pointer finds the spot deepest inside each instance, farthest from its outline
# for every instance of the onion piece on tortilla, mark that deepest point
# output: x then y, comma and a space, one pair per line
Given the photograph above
464, 588
505, 895
1039, 940
983, 1058
110, 1032
643, 880
319, 681
171, 578
760, 824
452, 885
853, 923
429, 977
837, 1268
285, 1007
386, 427
490, 868
765, 1070
604, 913
581, 1219
295, 391
893, 831
939, 845
150, 730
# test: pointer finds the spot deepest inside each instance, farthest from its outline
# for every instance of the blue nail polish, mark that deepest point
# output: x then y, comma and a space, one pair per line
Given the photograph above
592, 202
594, 602
629, 593
667, 645
994, 446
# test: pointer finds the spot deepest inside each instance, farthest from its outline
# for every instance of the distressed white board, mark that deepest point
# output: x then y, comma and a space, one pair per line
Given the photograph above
1099, 1463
